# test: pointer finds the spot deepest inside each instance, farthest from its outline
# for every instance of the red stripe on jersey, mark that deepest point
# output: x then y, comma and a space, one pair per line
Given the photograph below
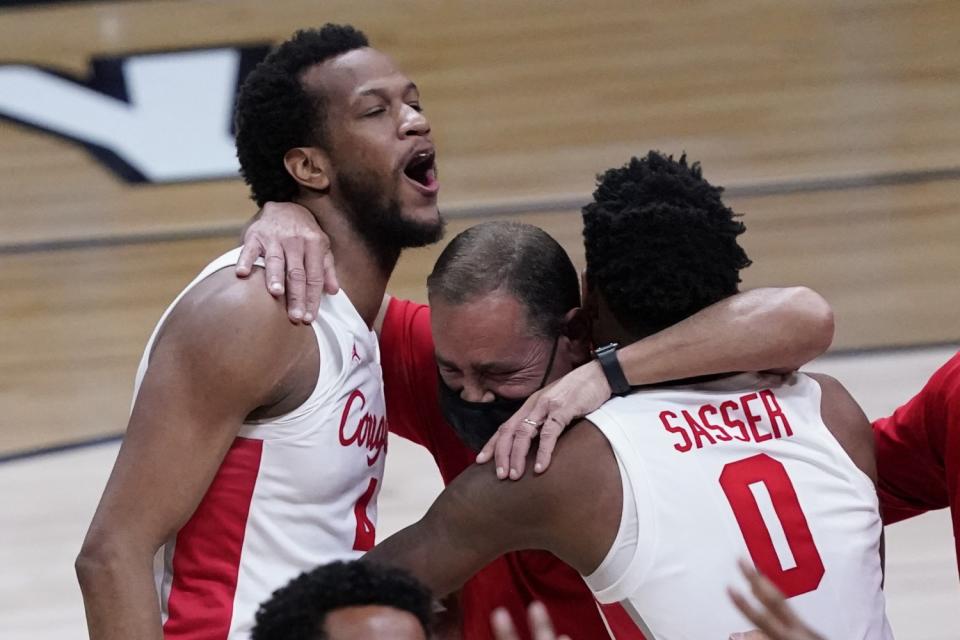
206, 559
618, 620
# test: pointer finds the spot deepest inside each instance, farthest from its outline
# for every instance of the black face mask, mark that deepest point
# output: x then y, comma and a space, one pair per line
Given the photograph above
476, 422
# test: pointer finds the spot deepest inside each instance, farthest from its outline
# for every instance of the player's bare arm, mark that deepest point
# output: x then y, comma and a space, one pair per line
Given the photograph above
847, 422
849, 425
573, 512
760, 330
226, 352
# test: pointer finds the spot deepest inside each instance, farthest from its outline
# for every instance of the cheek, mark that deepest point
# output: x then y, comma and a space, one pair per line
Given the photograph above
367, 155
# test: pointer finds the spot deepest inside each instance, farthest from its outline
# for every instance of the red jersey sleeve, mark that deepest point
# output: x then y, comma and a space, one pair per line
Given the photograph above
409, 369
918, 449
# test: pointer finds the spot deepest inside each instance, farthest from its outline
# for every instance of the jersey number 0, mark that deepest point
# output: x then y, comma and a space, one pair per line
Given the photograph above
735, 480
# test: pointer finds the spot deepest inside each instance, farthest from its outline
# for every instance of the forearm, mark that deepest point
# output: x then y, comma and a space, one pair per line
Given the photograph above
427, 555
120, 598
760, 330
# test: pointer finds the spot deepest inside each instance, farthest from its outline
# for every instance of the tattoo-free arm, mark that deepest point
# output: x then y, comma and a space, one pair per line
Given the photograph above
198, 390
573, 512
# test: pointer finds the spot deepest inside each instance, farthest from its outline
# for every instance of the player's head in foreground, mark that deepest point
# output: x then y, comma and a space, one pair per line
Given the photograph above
347, 601
505, 305
660, 246
333, 124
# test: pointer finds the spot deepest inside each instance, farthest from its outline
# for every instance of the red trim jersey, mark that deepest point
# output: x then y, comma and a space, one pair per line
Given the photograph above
292, 492
515, 579
738, 467
918, 451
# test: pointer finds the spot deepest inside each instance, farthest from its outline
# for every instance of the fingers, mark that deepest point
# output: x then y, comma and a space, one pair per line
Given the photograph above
766, 593
540, 625
522, 437
252, 249
296, 277
313, 255
549, 432
330, 282
502, 625
506, 434
775, 618
524, 427
486, 453
274, 263
741, 603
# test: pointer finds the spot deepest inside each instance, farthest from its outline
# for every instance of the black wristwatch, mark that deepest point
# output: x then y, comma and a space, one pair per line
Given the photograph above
607, 355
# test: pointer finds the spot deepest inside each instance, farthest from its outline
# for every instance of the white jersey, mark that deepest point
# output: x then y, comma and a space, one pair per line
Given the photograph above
293, 492
740, 467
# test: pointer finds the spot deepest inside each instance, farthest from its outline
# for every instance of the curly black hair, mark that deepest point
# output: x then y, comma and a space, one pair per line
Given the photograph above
298, 610
660, 243
276, 113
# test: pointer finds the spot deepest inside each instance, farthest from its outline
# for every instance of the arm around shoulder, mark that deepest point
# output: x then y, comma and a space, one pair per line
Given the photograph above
570, 511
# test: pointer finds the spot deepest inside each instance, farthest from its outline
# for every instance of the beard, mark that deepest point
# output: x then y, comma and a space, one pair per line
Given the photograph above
378, 218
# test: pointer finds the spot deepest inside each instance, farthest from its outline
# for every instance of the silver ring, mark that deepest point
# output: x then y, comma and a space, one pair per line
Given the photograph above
532, 423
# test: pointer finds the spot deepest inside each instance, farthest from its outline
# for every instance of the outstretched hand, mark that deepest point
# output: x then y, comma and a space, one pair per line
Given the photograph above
547, 412
775, 619
297, 257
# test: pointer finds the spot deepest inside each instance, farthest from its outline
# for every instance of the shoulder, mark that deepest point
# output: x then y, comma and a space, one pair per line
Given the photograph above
227, 325
846, 421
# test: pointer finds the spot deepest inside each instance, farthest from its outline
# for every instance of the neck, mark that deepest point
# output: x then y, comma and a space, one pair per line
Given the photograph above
363, 273
607, 329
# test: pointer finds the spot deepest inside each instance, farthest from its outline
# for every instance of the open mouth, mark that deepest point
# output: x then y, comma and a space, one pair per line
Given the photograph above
422, 171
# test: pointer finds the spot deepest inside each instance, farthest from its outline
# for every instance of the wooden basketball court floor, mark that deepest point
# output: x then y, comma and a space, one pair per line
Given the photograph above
834, 126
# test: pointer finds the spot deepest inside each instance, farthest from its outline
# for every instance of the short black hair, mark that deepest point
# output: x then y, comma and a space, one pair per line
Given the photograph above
298, 610
518, 258
660, 243
276, 113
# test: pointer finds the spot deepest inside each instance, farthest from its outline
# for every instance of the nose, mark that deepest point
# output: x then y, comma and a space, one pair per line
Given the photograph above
473, 392
414, 123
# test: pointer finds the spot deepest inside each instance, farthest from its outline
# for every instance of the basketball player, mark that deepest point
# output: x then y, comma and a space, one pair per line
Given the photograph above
255, 447
656, 495
750, 330
347, 601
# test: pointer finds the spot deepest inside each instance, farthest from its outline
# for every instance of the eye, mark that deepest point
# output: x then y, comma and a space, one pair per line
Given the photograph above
376, 111
416, 106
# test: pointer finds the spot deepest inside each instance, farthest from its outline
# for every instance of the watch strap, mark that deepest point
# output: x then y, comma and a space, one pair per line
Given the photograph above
607, 356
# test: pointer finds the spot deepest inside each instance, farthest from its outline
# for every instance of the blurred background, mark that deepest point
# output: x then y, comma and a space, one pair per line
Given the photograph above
833, 124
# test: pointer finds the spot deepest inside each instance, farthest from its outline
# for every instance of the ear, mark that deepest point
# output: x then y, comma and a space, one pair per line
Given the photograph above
309, 166
577, 330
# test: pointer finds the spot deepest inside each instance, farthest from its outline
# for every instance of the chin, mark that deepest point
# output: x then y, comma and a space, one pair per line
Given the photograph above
422, 213
420, 226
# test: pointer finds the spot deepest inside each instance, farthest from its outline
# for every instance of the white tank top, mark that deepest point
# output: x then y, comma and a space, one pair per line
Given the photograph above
740, 467
293, 492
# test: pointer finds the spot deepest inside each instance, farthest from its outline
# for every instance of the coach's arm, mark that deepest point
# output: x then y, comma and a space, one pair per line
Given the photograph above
225, 351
